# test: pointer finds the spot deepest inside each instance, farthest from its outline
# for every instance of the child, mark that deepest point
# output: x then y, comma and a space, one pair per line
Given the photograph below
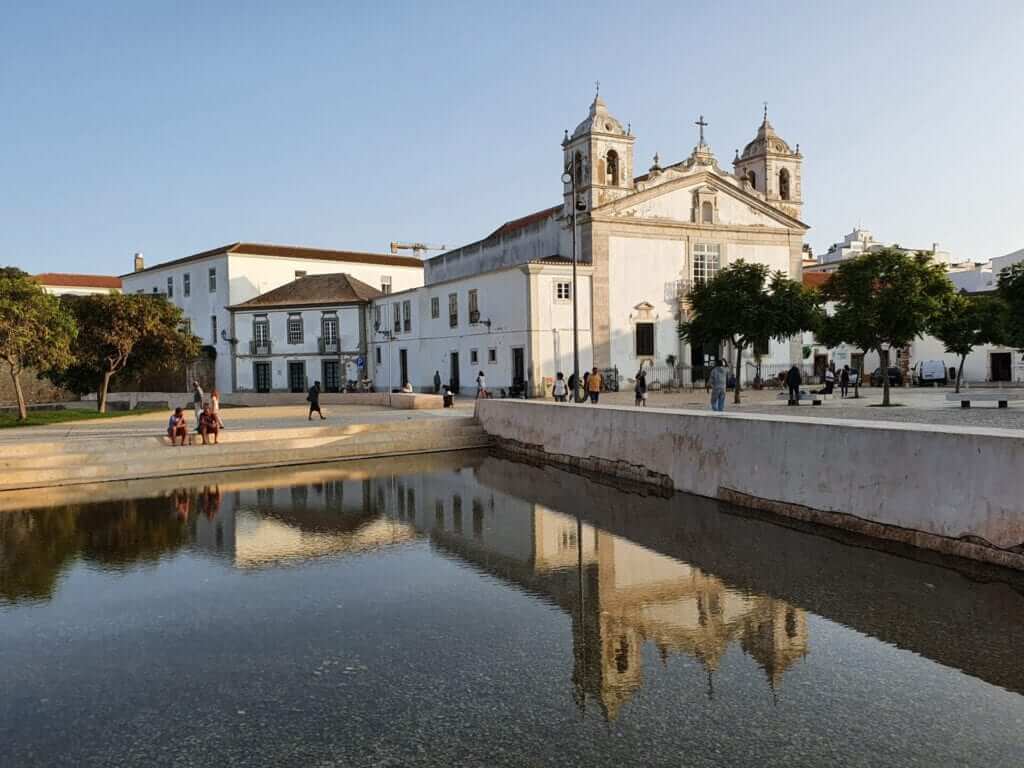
559, 390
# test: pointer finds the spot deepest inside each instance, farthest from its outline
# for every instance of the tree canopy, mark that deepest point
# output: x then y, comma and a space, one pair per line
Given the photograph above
744, 305
884, 300
966, 322
120, 332
1011, 291
36, 331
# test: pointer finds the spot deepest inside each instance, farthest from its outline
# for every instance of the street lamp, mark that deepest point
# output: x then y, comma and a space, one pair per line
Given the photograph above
569, 177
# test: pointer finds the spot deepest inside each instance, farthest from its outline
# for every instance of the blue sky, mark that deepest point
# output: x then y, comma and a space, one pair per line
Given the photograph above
171, 128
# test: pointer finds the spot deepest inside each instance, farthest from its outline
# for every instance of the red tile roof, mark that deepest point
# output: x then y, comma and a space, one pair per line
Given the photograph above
68, 280
294, 252
525, 221
816, 279
314, 290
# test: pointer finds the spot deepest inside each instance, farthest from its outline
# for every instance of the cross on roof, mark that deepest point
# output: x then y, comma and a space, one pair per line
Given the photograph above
597, 88
702, 125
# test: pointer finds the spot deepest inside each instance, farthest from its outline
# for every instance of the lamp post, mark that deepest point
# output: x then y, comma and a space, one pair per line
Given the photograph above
569, 177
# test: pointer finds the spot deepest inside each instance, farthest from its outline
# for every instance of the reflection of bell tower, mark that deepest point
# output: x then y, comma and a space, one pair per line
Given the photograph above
600, 153
775, 635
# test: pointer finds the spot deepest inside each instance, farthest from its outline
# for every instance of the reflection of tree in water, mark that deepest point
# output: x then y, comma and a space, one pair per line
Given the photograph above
37, 545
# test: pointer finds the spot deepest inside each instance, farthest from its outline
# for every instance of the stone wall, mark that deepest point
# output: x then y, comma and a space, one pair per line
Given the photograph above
947, 489
36, 390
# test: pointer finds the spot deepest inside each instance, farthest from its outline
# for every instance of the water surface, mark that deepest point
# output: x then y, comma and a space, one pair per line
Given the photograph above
467, 610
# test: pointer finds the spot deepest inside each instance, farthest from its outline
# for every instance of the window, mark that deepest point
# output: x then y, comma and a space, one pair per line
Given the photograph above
761, 347
474, 306
453, 309
186, 326
397, 317
155, 289
707, 213
752, 177
578, 166
435, 307
473, 357
612, 167
186, 284
170, 288
407, 315
563, 291
213, 279
330, 329
378, 356
376, 317
385, 283
213, 328
784, 184
492, 355
294, 329
644, 339
705, 261
300, 273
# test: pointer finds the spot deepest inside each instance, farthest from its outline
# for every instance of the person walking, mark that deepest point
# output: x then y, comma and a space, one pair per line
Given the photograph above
481, 386
793, 382
215, 408
844, 381
830, 379
640, 389
594, 386
437, 382
314, 401
718, 381
559, 389
573, 387
197, 399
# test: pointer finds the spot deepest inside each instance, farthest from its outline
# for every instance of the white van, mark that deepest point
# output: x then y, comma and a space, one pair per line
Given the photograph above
931, 372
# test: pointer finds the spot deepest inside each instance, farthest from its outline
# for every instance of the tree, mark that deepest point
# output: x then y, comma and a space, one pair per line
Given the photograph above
35, 330
742, 305
884, 300
120, 332
965, 322
1011, 291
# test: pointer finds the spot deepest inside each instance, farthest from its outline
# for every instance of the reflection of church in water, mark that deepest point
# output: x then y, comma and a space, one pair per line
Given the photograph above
620, 596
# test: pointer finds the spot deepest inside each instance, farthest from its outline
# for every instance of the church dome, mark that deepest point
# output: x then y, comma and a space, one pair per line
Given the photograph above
766, 141
599, 120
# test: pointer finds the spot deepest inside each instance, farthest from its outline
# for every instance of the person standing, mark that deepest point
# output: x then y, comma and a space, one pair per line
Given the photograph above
793, 382
314, 401
830, 379
481, 386
594, 385
844, 381
640, 389
215, 408
573, 387
437, 382
718, 381
559, 389
197, 399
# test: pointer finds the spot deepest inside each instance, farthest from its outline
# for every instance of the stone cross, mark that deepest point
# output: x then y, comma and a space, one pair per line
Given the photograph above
702, 125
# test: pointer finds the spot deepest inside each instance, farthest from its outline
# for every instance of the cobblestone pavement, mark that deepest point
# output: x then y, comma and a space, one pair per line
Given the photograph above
918, 406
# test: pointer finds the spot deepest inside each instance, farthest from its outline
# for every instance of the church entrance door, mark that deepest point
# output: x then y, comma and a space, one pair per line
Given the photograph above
453, 375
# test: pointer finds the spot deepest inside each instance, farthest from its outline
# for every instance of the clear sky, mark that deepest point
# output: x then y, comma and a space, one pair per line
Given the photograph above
170, 128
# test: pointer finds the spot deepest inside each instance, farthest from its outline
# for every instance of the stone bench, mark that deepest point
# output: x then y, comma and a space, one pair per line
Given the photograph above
1001, 398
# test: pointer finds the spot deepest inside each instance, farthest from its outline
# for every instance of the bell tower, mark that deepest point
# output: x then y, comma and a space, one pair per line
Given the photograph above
770, 167
599, 155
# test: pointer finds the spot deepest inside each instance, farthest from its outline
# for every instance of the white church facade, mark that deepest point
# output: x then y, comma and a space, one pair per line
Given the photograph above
641, 243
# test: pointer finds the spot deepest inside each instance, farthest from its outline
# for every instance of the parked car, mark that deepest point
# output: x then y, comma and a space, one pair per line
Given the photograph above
930, 372
895, 377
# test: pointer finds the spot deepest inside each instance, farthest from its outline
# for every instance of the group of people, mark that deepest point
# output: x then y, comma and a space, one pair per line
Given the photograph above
207, 417
592, 383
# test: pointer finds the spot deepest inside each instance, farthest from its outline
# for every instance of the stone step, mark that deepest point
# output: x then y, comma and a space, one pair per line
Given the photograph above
197, 459
156, 450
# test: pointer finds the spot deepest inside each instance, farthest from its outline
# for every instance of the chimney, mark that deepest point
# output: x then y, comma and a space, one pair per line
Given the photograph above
139, 264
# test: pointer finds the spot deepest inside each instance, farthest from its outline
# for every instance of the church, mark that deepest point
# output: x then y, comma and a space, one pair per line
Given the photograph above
641, 242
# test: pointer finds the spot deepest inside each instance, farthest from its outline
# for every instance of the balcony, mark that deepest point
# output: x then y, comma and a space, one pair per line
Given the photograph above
328, 346
259, 347
474, 315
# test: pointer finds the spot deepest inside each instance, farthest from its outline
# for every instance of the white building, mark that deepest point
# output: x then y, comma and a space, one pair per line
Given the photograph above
206, 284
64, 284
311, 329
860, 241
513, 323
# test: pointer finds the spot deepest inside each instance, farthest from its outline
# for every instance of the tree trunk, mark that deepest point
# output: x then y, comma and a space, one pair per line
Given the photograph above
883, 357
101, 396
739, 359
960, 372
22, 406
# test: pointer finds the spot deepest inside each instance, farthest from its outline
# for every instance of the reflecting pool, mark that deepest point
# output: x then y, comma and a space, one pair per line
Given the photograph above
463, 609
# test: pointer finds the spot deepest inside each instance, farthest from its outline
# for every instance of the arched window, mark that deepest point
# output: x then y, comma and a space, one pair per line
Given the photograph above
577, 162
707, 213
612, 167
784, 184
752, 177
